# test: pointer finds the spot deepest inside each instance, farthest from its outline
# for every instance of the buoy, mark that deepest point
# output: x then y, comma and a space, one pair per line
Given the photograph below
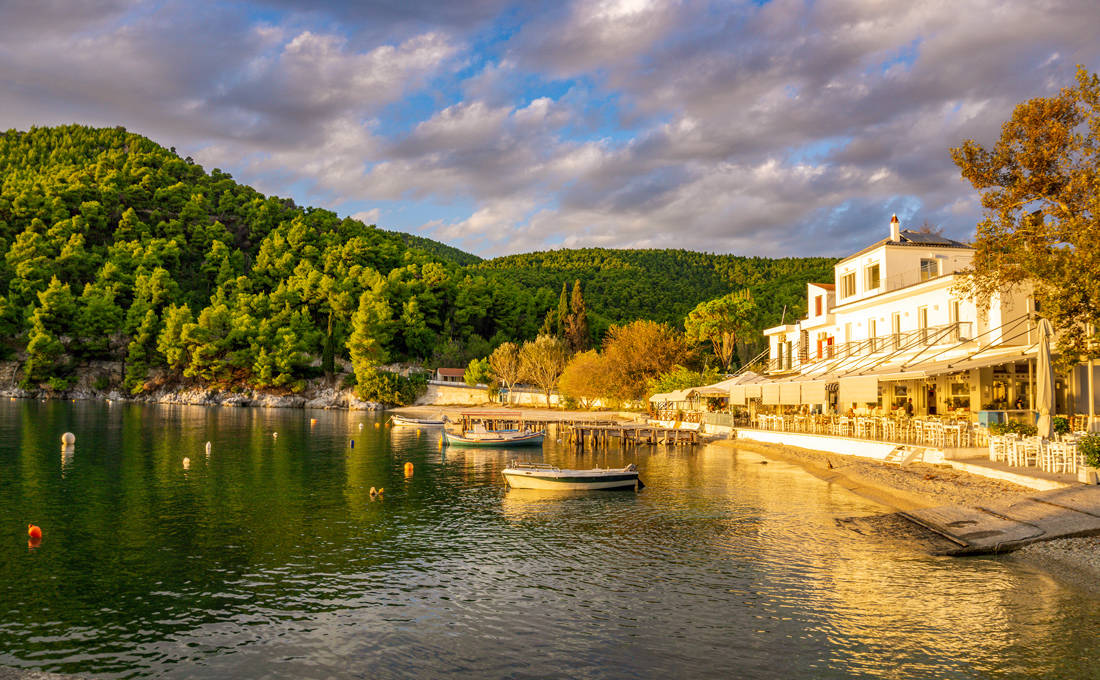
207, 448
275, 435
380, 490
378, 424
353, 443
360, 426
34, 532
186, 463
68, 439
312, 422
373, 491
408, 469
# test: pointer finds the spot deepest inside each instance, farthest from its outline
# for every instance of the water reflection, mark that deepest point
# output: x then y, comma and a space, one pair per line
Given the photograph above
269, 557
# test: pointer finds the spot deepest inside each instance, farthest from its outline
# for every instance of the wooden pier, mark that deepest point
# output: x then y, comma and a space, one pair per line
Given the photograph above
583, 431
584, 435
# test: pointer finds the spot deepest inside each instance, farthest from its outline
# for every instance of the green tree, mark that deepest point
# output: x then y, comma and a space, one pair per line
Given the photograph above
576, 325
720, 322
171, 342
478, 373
141, 353
1040, 185
99, 318
44, 354
369, 333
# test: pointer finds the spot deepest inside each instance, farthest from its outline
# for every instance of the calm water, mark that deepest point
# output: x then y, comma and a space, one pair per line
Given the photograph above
269, 559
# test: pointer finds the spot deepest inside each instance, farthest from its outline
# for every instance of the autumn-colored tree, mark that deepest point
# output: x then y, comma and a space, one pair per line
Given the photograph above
721, 322
541, 361
1040, 188
505, 365
638, 352
585, 378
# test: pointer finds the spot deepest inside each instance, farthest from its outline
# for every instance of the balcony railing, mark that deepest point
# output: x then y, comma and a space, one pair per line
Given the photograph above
948, 334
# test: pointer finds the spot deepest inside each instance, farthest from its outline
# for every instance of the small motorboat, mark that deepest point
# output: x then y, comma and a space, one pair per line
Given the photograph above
418, 422
546, 476
482, 437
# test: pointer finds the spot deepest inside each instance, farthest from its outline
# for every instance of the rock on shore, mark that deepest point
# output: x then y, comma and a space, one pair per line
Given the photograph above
100, 380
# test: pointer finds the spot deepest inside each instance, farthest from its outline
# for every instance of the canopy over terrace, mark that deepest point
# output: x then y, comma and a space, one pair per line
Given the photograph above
862, 386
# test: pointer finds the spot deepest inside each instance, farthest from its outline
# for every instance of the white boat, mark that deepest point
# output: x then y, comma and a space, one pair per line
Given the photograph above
546, 476
483, 437
418, 422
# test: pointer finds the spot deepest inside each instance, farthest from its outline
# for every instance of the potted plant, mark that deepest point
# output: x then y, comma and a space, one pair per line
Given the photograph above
1089, 447
1060, 425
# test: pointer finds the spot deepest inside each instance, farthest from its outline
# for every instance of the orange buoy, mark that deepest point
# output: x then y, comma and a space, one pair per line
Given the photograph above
408, 469
34, 532
312, 422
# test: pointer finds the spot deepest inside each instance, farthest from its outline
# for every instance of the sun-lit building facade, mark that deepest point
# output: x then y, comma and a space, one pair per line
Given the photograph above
894, 330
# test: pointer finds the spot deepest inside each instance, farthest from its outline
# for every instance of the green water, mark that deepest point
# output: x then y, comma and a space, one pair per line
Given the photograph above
269, 559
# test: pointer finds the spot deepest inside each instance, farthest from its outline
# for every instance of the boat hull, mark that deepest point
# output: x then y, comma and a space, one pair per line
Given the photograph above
416, 422
487, 441
518, 479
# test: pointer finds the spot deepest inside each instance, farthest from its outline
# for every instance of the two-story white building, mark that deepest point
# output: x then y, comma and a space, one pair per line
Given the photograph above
893, 328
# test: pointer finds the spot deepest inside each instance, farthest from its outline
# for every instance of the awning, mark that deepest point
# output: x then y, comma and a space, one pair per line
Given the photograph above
754, 391
712, 391
813, 392
770, 394
790, 393
858, 390
737, 395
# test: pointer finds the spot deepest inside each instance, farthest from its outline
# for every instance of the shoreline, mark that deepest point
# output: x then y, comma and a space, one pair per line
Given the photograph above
1074, 562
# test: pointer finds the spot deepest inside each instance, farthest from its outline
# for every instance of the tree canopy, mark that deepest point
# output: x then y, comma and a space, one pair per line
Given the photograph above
1040, 188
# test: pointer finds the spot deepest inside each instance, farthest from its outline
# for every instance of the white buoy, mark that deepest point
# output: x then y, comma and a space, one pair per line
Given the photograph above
68, 439
360, 426
186, 463
275, 435
207, 448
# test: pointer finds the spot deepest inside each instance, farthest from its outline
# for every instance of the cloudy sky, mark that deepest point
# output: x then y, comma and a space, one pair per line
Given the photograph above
773, 128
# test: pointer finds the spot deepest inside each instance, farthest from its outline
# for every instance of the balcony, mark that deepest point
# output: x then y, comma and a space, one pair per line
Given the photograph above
948, 334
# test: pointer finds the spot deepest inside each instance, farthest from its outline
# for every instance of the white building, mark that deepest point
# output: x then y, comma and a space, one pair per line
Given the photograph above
893, 326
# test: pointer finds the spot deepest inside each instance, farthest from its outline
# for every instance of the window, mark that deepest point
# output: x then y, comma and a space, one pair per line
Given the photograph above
819, 305
848, 284
873, 280
929, 268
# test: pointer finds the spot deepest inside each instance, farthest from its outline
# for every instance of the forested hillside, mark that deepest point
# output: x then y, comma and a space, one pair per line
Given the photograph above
664, 285
116, 248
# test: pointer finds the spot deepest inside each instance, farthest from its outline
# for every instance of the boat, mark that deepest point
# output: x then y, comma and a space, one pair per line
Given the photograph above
483, 437
418, 422
546, 476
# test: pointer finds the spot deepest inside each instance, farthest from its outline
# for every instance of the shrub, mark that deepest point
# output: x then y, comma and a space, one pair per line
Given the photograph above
1061, 425
1089, 445
392, 389
1014, 427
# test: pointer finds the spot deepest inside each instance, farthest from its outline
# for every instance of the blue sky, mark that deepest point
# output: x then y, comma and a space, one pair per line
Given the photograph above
778, 128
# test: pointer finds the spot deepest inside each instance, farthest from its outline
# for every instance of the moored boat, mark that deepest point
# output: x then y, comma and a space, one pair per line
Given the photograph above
418, 422
546, 476
496, 438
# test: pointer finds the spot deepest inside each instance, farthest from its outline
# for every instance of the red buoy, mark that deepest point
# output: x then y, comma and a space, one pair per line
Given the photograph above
34, 532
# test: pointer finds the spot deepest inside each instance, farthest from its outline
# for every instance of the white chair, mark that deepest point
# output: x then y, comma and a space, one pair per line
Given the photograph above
997, 451
1030, 451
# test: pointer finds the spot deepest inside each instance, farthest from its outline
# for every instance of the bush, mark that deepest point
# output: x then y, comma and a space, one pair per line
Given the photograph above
391, 389
101, 383
1061, 425
1014, 427
1089, 445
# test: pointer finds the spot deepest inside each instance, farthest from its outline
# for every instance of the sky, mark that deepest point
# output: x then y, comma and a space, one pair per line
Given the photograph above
783, 128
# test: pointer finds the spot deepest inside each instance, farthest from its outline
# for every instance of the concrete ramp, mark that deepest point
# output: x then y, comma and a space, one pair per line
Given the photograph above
1008, 525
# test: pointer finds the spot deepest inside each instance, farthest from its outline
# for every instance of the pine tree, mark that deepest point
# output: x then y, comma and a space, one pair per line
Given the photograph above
576, 325
141, 353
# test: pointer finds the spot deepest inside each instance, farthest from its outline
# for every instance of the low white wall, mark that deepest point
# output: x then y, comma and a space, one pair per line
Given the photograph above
463, 395
821, 442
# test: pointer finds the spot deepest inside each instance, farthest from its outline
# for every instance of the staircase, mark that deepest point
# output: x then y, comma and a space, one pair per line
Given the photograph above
905, 454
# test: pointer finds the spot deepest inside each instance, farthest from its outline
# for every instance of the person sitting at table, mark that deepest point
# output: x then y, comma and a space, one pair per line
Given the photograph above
851, 411
909, 407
